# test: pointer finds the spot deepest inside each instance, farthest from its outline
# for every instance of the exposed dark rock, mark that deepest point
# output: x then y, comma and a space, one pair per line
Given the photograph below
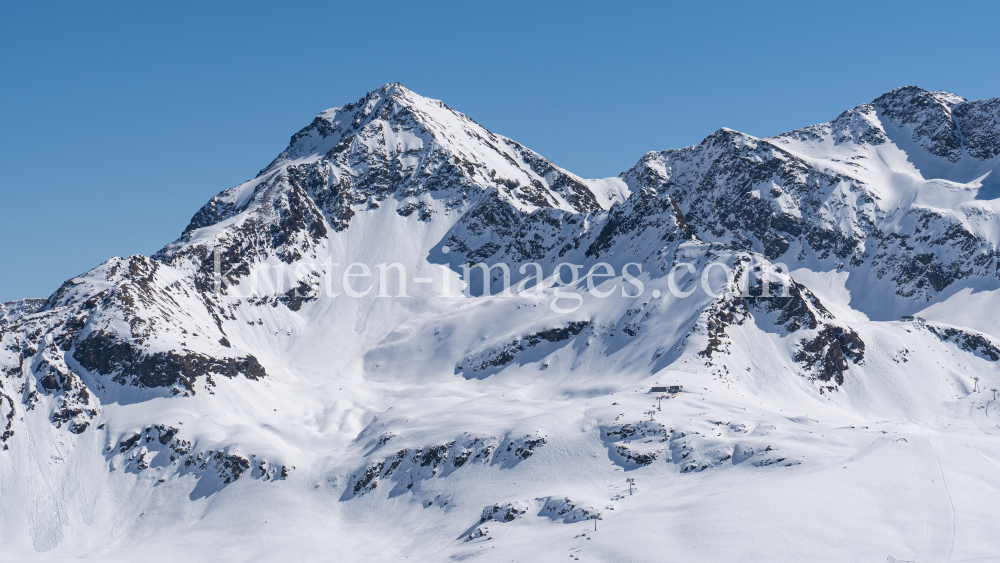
645, 214
828, 353
8, 421
104, 354
295, 297
141, 448
928, 115
499, 357
507, 512
621, 437
979, 122
979, 344
408, 466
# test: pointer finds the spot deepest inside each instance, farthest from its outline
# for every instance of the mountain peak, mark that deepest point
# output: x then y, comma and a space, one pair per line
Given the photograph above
391, 92
418, 139
333, 125
394, 143
925, 117
916, 94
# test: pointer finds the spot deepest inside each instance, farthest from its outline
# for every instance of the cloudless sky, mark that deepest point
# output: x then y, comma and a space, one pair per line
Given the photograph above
118, 120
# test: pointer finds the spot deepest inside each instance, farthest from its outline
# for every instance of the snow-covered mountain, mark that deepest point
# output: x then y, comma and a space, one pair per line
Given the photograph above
315, 361
901, 192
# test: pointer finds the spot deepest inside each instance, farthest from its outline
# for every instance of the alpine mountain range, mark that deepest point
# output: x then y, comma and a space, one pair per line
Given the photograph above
181, 406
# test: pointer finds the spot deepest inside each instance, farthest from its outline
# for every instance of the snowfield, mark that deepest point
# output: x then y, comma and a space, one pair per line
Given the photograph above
227, 399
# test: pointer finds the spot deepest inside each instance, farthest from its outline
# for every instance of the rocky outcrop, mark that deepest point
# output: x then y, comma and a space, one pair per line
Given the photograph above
401, 471
162, 447
479, 364
830, 352
104, 354
969, 341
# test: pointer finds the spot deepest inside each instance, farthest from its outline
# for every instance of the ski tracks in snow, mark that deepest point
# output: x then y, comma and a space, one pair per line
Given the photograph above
939, 511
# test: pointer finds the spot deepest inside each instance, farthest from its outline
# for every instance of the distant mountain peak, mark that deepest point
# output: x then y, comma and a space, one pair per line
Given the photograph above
919, 95
925, 116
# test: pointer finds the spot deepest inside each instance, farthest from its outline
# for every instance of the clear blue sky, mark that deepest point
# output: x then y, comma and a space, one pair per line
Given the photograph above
119, 120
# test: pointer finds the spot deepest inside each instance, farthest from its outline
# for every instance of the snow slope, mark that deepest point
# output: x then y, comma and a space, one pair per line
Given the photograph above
228, 399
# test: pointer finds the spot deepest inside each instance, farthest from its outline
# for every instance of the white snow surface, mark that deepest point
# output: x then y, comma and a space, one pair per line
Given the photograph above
493, 428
